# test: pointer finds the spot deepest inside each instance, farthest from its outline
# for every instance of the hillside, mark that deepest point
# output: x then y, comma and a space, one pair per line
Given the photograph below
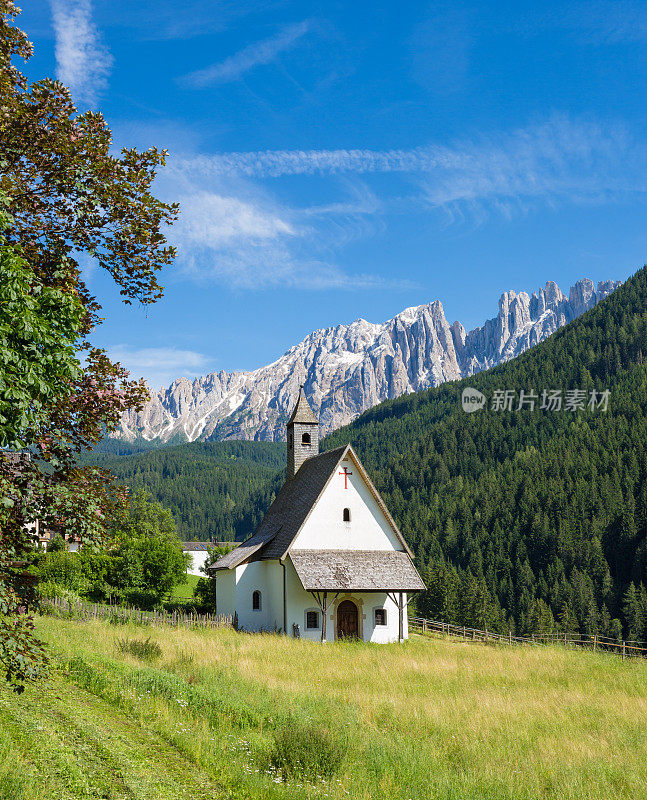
347, 369
207, 485
544, 514
529, 518
221, 714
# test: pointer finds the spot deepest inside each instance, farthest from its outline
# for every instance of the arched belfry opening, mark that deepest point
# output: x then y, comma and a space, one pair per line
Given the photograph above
302, 435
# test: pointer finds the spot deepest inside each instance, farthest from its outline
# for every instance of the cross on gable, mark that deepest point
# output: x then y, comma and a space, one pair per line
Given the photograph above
346, 475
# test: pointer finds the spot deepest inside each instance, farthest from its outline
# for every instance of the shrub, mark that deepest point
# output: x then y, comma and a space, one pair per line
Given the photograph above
144, 649
306, 750
62, 568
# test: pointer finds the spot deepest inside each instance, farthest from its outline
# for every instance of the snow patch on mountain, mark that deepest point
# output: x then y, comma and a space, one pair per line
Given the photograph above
347, 369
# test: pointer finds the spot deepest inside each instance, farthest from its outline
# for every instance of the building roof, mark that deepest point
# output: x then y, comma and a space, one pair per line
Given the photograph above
288, 512
201, 547
245, 550
356, 570
302, 411
285, 517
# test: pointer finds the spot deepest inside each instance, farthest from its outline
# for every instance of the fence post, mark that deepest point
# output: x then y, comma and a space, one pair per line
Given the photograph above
595, 642
464, 637
509, 637
624, 650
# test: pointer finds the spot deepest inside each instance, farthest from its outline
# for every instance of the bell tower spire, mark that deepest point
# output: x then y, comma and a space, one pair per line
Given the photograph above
303, 434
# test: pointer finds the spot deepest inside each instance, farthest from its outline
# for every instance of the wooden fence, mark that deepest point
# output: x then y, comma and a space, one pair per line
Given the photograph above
123, 614
592, 642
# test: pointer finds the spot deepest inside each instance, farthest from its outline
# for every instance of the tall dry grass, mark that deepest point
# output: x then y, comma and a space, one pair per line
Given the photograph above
427, 719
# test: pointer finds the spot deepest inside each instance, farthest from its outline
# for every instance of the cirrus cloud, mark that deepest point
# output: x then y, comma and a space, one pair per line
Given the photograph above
83, 62
250, 57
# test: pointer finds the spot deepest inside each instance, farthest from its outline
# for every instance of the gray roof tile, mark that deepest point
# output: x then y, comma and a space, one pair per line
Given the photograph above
288, 512
302, 411
356, 570
246, 550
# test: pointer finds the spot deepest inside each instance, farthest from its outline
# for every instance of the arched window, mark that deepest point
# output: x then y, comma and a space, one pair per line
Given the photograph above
347, 515
305, 438
256, 600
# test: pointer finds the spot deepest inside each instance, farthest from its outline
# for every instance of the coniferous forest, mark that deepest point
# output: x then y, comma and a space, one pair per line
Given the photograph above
206, 485
527, 520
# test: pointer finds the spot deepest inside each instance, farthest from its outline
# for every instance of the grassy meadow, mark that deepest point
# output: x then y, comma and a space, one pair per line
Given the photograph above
145, 713
184, 591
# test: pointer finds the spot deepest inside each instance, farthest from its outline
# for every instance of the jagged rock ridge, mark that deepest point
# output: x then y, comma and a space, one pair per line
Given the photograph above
350, 368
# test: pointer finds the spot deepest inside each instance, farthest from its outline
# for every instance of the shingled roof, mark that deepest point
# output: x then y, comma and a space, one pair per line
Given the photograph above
302, 411
246, 550
287, 514
356, 570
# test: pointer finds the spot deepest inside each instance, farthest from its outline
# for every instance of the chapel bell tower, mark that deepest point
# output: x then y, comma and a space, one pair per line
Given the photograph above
303, 435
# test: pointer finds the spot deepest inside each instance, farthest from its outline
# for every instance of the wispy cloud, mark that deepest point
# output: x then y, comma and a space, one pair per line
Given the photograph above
557, 160
534, 152
234, 230
160, 365
253, 244
254, 55
83, 62
212, 220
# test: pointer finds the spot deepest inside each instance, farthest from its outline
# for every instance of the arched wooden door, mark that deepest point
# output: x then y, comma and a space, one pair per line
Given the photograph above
346, 620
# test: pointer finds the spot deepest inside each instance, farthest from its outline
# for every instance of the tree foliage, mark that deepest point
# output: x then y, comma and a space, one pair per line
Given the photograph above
67, 197
141, 559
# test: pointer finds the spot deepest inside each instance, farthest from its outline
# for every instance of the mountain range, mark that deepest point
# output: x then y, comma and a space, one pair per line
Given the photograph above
347, 369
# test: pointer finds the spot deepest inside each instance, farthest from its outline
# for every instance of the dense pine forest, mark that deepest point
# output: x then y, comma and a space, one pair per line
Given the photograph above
533, 519
207, 485
524, 519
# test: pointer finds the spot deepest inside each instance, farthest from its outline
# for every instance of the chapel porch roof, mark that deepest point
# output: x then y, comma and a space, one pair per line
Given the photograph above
356, 570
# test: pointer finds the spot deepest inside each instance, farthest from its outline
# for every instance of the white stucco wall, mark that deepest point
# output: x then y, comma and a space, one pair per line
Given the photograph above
225, 591
368, 528
235, 589
299, 601
198, 559
234, 594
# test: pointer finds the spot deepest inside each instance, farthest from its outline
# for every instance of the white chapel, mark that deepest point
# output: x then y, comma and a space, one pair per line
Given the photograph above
327, 561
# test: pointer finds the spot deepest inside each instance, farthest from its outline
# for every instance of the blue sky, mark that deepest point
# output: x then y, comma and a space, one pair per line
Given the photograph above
345, 160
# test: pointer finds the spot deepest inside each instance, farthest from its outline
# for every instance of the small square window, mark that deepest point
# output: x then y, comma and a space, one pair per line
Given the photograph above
312, 619
380, 616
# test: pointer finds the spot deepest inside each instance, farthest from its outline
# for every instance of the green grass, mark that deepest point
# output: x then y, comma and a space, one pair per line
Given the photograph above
221, 714
184, 591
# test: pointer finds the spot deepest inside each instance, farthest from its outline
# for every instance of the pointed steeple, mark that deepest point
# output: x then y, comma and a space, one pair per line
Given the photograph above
302, 411
303, 435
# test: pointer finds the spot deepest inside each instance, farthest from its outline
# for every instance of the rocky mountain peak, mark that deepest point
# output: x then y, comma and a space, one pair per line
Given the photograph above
348, 368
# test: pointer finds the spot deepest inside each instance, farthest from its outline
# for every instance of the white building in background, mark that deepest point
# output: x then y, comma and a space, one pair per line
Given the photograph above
327, 561
199, 554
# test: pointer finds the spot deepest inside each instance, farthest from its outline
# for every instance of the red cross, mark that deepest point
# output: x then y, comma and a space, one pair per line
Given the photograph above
345, 473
